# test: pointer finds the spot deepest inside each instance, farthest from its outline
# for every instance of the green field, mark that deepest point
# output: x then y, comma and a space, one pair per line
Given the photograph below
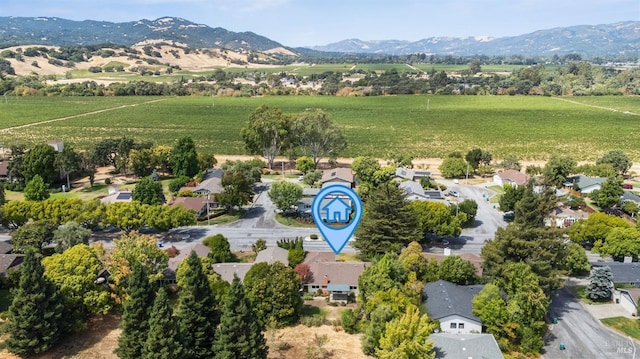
528, 127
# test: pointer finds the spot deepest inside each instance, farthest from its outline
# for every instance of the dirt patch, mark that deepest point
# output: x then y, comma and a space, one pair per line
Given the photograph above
97, 342
299, 338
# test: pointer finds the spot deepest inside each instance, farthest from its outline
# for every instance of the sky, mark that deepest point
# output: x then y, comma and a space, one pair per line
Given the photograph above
320, 22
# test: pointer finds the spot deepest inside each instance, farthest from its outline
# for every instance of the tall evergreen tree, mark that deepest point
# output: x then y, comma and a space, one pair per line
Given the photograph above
239, 335
135, 315
184, 158
36, 315
387, 224
197, 314
163, 339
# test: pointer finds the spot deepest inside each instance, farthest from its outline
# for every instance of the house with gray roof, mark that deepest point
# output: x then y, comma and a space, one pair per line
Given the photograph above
630, 196
342, 176
273, 254
338, 279
415, 192
9, 262
411, 174
450, 304
172, 267
227, 270
211, 183
627, 274
465, 346
584, 183
269, 255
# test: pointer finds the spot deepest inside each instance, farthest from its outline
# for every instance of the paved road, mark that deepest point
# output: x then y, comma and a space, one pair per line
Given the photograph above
258, 222
488, 220
584, 337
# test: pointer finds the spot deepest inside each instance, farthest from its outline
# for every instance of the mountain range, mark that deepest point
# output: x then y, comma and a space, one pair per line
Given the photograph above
618, 39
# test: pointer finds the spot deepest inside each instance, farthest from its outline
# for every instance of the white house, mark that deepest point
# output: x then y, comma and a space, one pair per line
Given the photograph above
512, 177
450, 304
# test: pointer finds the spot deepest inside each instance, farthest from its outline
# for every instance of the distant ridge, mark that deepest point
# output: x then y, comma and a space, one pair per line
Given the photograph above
61, 32
622, 38
618, 39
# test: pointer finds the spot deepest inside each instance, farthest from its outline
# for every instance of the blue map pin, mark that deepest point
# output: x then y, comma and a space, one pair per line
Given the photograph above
340, 205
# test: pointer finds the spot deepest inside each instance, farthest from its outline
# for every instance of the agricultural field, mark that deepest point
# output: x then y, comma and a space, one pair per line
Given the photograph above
531, 128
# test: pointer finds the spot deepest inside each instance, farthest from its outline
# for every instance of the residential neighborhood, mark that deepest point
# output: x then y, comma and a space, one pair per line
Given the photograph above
449, 300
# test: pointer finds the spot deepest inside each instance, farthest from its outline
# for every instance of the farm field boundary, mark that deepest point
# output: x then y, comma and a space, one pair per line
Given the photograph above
530, 128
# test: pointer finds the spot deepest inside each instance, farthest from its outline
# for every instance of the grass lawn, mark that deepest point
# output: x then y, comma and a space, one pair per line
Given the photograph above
580, 291
292, 222
630, 327
225, 218
499, 191
279, 176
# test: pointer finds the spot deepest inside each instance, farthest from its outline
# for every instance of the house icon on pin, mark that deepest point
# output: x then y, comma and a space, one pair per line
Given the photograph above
337, 210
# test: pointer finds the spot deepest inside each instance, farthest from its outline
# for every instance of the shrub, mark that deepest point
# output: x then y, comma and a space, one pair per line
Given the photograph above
177, 183
312, 321
313, 236
349, 321
107, 181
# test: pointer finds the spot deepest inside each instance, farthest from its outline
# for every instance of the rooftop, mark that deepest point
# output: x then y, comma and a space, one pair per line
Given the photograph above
465, 346
342, 173
445, 299
622, 272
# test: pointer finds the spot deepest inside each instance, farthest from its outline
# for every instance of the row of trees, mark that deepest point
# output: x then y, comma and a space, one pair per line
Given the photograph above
213, 318
525, 261
270, 132
576, 77
90, 214
124, 154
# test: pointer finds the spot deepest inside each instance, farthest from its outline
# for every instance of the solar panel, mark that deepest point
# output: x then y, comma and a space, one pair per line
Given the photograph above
124, 196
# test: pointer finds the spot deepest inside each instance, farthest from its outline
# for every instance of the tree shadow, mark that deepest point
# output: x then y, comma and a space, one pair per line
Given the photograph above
92, 342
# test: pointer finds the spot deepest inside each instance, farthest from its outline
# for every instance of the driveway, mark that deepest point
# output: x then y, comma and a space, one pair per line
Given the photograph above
583, 335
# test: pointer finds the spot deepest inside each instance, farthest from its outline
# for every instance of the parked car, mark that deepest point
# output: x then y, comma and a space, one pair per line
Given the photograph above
508, 216
454, 194
627, 186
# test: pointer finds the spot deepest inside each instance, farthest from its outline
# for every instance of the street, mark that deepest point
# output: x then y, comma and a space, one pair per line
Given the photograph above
583, 336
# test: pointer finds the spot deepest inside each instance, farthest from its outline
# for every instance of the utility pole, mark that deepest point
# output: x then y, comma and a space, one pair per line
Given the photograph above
208, 216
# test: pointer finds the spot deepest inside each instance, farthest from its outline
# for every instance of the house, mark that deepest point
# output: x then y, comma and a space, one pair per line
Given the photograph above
630, 196
5, 247
474, 259
624, 274
511, 177
172, 267
410, 174
451, 305
341, 176
273, 254
563, 217
227, 270
628, 298
465, 346
4, 170
211, 183
415, 192
269, 255
9, 262
201, 205
57, 145
310, 192
116, 195
338, 279
583, 183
